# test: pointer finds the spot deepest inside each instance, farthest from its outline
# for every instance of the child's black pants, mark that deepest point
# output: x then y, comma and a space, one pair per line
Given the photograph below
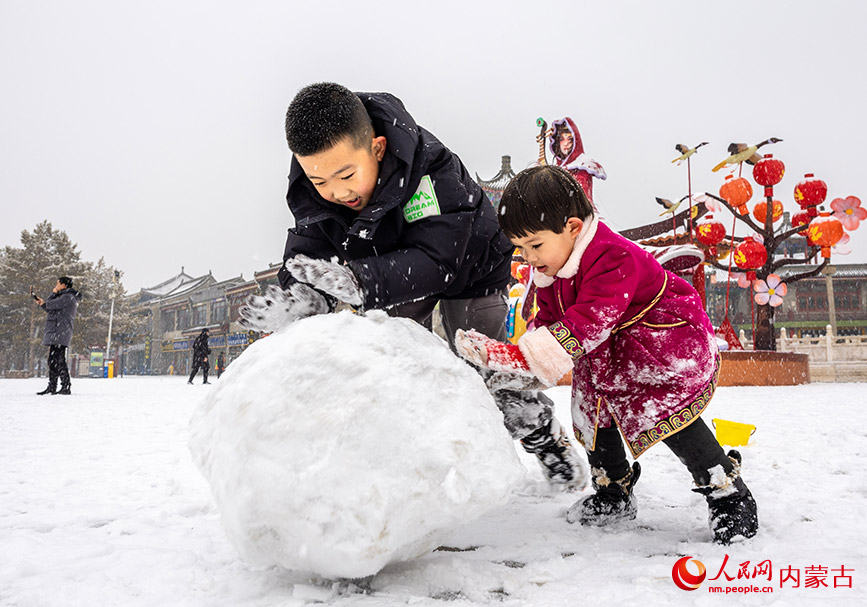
695, 446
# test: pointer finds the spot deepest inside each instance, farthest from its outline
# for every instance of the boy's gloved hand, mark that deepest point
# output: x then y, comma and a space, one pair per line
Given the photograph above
278, 308
333, 278
489, 353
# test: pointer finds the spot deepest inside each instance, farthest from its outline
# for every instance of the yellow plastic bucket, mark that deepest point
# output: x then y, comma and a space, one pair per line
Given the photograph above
733, 434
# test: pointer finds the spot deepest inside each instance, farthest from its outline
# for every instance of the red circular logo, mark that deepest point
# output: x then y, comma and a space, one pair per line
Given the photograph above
683, 578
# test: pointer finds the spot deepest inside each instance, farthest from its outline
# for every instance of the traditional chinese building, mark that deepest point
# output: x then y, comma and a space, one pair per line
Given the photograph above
495, 186
171, 315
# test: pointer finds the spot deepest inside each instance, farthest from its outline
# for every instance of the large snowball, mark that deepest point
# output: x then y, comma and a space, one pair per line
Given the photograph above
346, 442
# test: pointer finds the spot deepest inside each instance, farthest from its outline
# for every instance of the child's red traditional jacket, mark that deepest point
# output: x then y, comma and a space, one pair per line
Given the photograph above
643, 350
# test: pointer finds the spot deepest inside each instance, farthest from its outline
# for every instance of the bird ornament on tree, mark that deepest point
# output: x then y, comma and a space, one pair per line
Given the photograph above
669, 206
686, 151
741, 152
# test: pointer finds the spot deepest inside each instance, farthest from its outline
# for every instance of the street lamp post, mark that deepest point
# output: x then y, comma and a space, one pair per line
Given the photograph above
829, 271
110, 320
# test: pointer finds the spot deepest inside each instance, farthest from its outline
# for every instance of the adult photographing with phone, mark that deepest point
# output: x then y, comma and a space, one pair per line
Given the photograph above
61, 307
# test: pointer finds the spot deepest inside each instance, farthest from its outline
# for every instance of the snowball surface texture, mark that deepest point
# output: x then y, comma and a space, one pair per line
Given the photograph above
342, 443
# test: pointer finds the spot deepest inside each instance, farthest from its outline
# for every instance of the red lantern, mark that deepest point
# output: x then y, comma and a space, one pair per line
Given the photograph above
750, 255
710, 232
769, 171
801, 219
737, 192
825, 231
810, 192
760, 211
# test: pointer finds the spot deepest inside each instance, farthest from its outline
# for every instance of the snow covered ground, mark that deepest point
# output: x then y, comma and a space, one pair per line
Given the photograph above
100, 504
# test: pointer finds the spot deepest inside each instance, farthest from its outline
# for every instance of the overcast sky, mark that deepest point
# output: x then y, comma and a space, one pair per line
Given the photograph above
152, 132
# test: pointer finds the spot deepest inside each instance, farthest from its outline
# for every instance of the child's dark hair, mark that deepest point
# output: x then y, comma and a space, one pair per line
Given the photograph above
541, 198
66, 281
321, 115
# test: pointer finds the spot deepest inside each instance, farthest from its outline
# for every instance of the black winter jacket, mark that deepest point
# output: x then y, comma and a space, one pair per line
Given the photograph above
403, 245
61, 308
201, 349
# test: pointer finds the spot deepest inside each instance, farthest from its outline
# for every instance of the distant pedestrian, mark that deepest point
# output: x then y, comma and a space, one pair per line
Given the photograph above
61, 307
200, 357
221, 364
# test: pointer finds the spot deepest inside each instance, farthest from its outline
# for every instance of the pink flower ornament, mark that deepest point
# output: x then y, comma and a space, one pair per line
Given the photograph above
840, 248
849, 211
710, 203
770, 292
742, 278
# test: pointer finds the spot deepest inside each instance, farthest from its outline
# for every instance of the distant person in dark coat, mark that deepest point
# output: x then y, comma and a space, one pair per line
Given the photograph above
200, 357
61, 306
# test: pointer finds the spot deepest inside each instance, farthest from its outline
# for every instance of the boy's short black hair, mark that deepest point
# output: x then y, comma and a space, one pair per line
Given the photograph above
65, 281
542, 198
321, 115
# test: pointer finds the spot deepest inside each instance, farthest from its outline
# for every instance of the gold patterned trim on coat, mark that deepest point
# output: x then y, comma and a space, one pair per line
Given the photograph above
672, 325
569, 342
647, 308
676, 421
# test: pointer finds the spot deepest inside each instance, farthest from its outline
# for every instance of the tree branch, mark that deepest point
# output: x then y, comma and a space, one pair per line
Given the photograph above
745, 218
810, 274
787, 261
717, 265
791, 231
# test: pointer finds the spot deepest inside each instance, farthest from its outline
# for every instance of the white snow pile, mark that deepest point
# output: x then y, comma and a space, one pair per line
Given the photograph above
343, 443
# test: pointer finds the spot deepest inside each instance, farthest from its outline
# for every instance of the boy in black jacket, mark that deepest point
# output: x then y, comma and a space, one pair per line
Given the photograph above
388, 217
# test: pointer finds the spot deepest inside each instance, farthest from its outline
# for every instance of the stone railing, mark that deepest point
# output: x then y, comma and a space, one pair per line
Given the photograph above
17, 374
833, 358
827, 348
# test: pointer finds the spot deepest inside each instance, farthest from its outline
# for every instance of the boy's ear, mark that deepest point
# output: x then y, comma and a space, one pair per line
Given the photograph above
377, 146
574, 225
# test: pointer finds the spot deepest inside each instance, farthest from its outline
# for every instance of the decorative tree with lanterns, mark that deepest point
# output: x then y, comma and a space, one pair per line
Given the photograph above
755, 255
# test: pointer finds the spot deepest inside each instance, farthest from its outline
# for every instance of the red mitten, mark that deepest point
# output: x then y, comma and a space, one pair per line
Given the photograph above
490, 353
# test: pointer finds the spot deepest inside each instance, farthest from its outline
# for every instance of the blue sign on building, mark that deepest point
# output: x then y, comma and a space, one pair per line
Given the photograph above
239, 339
217, 342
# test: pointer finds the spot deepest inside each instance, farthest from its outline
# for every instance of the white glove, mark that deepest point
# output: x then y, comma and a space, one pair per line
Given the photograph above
332, 278
278, 308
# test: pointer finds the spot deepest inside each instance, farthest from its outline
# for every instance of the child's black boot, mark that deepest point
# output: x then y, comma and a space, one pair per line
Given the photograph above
732, 509
561, 463
612, 502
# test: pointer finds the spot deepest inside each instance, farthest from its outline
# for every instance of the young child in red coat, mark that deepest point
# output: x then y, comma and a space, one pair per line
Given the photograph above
641, 348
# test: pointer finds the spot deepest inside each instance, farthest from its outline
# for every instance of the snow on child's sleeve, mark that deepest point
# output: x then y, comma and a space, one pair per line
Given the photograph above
343, 443
606, 291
